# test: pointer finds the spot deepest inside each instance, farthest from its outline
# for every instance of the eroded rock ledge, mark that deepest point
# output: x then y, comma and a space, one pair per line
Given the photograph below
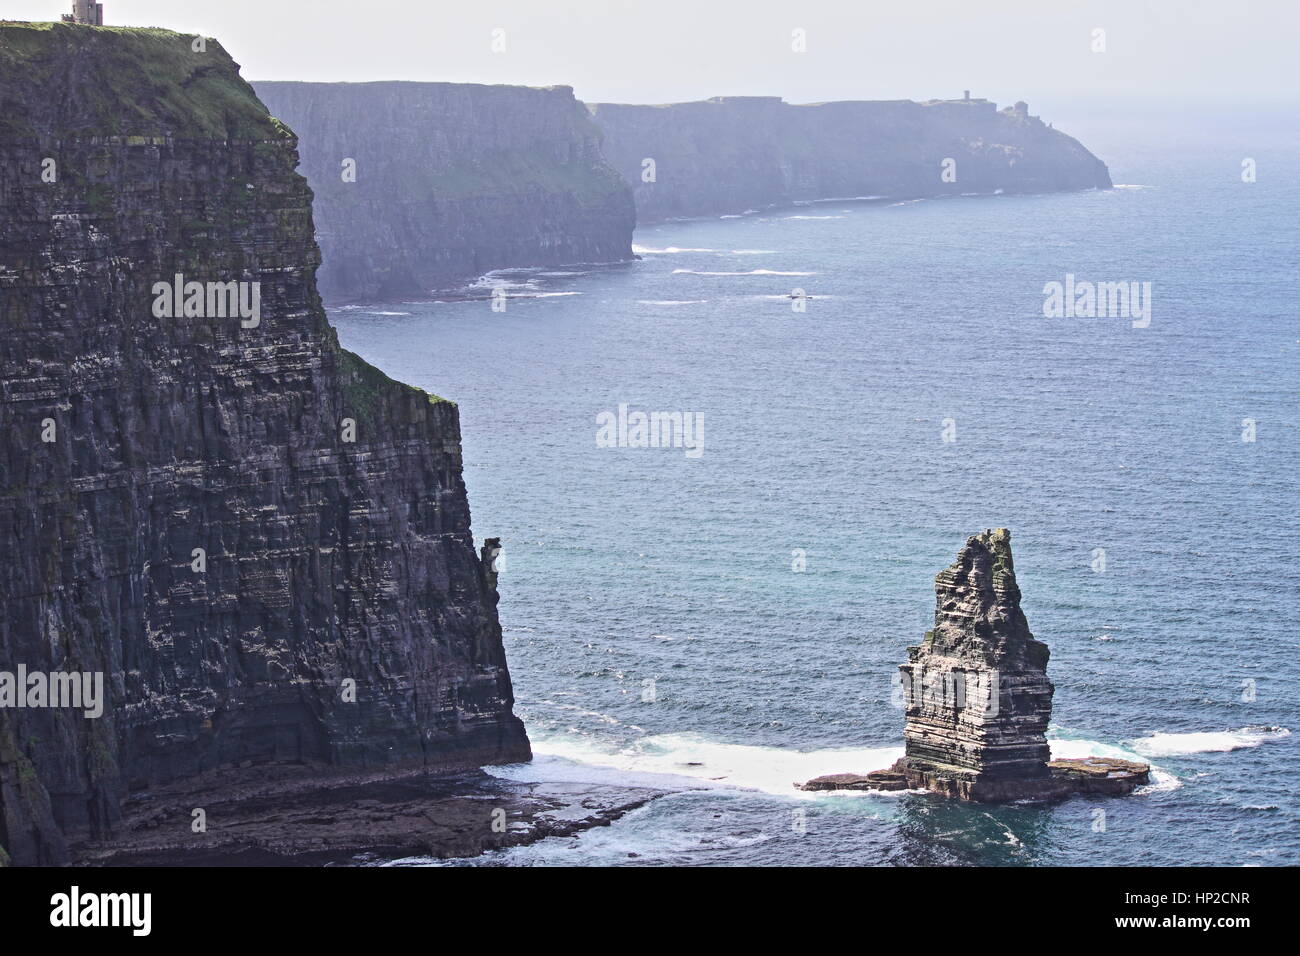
978, 699
315, 815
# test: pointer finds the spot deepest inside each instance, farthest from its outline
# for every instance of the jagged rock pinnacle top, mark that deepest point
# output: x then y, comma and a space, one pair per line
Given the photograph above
977, 615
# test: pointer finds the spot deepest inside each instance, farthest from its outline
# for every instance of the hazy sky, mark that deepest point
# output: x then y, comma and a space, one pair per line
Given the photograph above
669, 50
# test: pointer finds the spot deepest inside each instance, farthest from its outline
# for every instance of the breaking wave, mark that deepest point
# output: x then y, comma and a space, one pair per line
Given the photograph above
751, 272
691, 761
1161, 779
670, 250
677, 760
1174, 745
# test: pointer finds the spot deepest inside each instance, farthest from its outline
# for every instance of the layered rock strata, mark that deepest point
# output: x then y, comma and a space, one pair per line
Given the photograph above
261, 543
286, 816
420, 186
978, 700
734, 154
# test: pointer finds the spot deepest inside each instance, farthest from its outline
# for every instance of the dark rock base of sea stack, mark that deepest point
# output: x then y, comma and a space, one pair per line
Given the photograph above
1103, 776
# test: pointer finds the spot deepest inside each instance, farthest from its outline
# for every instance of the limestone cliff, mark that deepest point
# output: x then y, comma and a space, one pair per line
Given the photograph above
451, 181
327, 499
738, 153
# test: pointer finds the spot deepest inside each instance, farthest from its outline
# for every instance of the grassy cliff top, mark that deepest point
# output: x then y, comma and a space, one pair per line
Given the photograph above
66, 79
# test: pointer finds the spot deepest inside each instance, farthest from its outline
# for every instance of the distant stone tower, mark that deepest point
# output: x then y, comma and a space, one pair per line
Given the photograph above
87, 12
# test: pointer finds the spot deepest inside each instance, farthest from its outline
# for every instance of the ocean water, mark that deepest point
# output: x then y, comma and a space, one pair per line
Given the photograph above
656, 628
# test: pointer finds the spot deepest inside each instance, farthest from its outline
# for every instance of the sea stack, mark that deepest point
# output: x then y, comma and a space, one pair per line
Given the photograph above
978, 699
976, 688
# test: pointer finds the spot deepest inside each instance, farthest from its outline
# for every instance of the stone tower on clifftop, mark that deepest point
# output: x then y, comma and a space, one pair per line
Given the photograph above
87, 12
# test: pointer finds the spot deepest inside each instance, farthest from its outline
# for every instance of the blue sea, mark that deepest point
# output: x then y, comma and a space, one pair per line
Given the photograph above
725, 625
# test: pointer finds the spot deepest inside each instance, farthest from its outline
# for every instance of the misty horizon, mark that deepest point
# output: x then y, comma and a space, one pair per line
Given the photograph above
1157, 53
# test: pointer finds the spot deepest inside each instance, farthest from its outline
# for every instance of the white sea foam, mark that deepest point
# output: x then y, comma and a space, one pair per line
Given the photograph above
812, 202
1172, 745
674, 250
812, 217
494, 281
1008, 834
674, 760
752, 272
670, 250
693, 761
553, 768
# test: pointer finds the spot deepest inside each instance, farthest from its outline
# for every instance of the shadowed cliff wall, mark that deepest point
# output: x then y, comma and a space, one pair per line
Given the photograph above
326, 560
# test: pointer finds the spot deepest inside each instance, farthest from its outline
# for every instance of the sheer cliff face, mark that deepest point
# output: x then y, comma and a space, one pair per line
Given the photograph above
978, 700
733, 154
451, 181
128, 441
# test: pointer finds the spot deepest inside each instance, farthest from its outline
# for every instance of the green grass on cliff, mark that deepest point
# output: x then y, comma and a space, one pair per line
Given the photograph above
124, 81
366, 379
363, 384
